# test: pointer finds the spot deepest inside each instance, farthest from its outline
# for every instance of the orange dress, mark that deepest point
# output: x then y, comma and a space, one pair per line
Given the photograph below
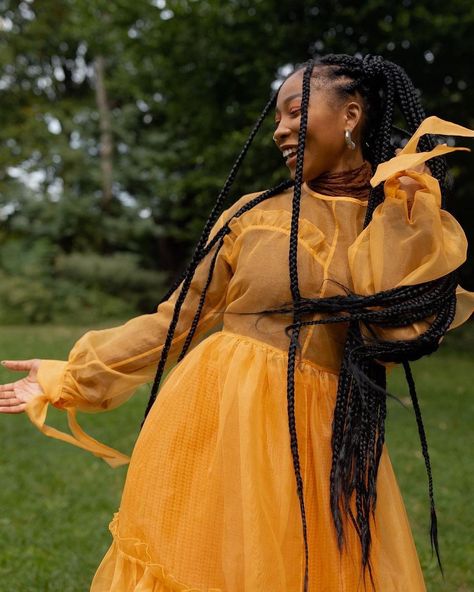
210, 503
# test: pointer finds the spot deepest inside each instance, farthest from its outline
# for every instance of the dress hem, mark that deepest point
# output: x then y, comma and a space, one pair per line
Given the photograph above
128, 563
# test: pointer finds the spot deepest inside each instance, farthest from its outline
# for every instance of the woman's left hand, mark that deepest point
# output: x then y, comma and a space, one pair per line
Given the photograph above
15, 395
410, 185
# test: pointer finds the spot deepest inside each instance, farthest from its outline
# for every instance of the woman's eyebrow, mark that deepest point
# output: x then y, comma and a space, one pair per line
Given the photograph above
288, 99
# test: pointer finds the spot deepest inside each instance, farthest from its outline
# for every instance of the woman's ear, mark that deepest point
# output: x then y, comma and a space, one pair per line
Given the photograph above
352, 115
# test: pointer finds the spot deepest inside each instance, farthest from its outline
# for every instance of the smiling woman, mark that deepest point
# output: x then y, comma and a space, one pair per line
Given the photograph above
329, 117
262, 466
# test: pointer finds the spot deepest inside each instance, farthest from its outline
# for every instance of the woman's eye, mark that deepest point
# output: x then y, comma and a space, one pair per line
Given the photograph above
295, 111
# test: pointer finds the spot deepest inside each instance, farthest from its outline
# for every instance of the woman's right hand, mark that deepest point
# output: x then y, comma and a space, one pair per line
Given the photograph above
15, 395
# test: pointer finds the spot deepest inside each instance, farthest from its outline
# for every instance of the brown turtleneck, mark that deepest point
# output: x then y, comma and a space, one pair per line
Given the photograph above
353, 183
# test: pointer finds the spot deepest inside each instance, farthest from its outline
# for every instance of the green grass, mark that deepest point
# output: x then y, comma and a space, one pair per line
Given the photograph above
57, 500
445, 387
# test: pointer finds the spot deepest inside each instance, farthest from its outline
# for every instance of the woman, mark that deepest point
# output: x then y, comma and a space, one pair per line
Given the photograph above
259, 465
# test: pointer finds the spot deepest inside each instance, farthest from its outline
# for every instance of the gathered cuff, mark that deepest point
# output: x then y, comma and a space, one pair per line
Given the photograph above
50, 378
128, 567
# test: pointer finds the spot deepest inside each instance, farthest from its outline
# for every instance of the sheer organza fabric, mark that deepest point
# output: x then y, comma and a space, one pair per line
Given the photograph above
210, 500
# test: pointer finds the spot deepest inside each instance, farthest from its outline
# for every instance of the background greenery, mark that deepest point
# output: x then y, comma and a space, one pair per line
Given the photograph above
57, 500
183, 82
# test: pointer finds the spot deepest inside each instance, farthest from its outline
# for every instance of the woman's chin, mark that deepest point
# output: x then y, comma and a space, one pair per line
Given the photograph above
308, 175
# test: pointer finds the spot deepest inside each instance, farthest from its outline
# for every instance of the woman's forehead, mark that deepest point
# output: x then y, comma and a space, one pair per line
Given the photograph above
290, 89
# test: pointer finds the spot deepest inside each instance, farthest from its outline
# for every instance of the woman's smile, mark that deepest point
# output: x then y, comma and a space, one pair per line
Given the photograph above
328, 118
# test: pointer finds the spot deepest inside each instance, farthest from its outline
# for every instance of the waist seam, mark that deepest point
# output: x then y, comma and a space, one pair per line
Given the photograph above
266, 346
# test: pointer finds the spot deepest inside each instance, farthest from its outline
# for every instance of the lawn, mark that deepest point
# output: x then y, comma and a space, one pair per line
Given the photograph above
57, 500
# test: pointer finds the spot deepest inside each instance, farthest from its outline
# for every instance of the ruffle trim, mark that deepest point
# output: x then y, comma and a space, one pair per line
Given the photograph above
308, 233
134, 570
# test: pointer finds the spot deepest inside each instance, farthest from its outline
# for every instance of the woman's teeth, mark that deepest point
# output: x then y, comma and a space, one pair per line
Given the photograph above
288, 153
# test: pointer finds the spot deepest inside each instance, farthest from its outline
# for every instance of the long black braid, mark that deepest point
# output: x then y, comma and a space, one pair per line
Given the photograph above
295, 293
360, 409
219, 239
198, 254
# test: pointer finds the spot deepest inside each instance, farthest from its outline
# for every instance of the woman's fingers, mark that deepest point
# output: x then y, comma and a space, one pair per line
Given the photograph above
14, 396
7, 394
11, 401
19, 407
19, 365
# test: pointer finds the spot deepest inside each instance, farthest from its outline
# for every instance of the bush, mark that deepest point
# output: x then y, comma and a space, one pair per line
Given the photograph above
39, 284
117, 274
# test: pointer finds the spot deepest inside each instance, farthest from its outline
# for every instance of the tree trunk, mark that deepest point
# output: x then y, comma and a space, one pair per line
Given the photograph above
106, 140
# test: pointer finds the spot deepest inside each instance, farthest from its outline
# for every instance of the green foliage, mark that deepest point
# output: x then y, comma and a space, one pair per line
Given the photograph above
185, 81
40, 284
24, 300
115, 274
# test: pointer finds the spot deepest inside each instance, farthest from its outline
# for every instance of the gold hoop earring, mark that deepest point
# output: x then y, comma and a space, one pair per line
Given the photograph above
348, 138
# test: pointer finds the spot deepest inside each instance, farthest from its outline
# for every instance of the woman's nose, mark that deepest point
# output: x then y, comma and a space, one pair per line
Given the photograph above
281, 132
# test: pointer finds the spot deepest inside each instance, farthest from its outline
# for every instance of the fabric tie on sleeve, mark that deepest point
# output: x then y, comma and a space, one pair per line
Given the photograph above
37, 409
408, 157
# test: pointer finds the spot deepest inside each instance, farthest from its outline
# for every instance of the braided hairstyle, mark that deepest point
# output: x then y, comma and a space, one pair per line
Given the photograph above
199, 254
359, 415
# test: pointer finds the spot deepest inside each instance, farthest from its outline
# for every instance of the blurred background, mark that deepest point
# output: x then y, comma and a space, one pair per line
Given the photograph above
119, 121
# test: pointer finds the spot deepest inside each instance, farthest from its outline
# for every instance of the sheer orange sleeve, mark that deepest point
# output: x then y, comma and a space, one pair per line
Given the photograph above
410, 239
105, 367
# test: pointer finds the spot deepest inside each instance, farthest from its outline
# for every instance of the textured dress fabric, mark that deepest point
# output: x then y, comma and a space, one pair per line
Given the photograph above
210, 502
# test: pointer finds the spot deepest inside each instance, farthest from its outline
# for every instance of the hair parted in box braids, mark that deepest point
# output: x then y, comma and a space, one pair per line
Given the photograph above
358, 428
202, 249
360, 409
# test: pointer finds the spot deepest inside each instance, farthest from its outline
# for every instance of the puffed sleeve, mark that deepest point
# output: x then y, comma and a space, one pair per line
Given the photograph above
410, 239
105, 367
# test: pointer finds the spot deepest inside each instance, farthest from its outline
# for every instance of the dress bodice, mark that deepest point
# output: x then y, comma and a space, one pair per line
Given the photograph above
257, 252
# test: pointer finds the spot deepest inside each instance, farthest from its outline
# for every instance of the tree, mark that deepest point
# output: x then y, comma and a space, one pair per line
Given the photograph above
178, 85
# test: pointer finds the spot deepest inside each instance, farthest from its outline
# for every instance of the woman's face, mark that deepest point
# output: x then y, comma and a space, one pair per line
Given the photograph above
328, 118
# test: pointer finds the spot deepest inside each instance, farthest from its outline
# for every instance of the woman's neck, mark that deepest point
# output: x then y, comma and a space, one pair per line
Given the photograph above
353, 183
